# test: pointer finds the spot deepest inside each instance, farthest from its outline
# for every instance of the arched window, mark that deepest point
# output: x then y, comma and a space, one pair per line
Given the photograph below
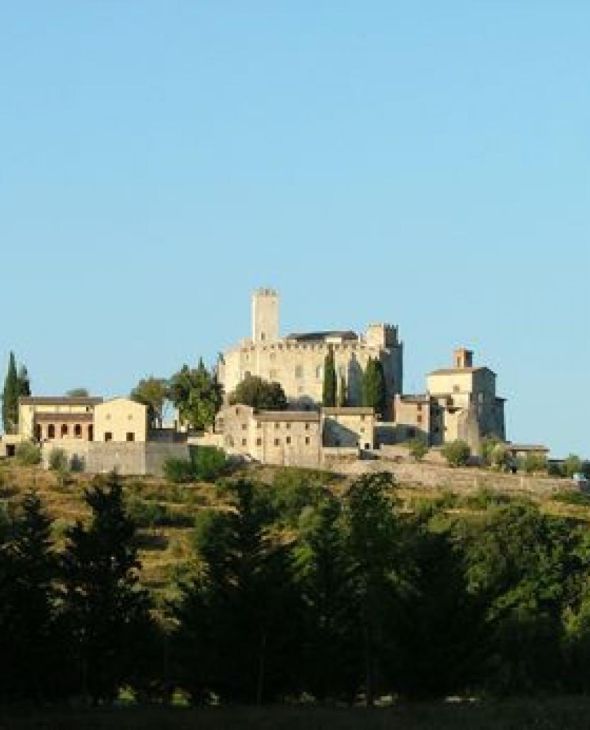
64, 430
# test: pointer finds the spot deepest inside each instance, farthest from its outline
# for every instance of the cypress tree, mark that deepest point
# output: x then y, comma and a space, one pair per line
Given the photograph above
330, 382
374, 391
10, 397
342, 393
24, 382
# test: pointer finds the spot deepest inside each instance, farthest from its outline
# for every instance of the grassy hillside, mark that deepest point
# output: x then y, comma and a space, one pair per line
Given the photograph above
166, 512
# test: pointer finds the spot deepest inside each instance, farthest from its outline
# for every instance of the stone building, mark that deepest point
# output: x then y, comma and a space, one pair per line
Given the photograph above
48, 418
460, 403
468, 407
296, 361
291, 438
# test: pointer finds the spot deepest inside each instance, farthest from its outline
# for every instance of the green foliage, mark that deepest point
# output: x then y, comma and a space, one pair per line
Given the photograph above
77, 393
572, 465
329, 386
10, 397
152, 392
28, 454
534, 463
58, 460
488, 444
295, 491
208, 462
178, 471
105, 610
24, 382
457, 453
500, 457
577, 498
233, 640
374, 390
197, 395
418, 448
260, 394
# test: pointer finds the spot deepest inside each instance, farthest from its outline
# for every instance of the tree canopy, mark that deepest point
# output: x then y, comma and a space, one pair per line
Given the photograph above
260, 394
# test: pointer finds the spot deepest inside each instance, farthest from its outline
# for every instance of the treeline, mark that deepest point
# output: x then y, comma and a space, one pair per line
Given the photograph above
298, 593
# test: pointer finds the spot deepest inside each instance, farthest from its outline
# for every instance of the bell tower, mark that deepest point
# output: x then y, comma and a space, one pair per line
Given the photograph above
265, 316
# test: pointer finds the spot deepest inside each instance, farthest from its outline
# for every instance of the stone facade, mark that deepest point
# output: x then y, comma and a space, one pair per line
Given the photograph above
120, 420
467, 402
48, 418
292, 438
297, 360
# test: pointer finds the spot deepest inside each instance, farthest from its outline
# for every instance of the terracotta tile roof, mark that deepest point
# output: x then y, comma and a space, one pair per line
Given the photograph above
48, 400
308, 416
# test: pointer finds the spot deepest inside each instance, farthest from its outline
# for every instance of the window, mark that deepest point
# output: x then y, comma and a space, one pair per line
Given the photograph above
258, 424
287, 426
64, 430
108, 436
244, 442
277, 425
288, 440
456, 389
419, 418
419, 407
51, 431
258, 442
108, 417
362, 429
307, 440
299, 371
130, 417
307, 426
78, 431
244, 426
277, 442
130, 436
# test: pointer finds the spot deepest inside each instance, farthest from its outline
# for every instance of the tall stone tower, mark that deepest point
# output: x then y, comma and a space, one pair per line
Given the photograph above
265, 316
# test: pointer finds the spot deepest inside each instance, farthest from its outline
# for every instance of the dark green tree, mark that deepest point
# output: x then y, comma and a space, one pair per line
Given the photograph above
197, 395
332, 660
238, 635
373, 544
330, 381
24, 382
107, 613
29, 641
10, 397
152, 392
78, 393
260, 394
374, 390
520, 564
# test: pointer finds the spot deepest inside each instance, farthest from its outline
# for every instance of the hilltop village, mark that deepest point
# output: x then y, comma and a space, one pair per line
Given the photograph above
341, 398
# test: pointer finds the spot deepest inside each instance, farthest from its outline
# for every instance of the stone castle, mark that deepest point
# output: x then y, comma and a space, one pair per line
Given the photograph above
297, 360
460, 402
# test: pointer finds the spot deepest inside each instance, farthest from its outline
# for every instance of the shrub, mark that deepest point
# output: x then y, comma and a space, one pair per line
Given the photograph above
488, 444
533, 463
28, 454
418, 448
208, 463
499, 457
456, 453
572, 465
58, 460
178, 471
572, 497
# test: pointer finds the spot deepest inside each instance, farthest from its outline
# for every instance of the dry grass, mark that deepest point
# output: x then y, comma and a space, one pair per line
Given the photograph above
167, 550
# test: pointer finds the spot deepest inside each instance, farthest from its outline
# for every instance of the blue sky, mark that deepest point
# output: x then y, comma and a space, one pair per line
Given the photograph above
423, 163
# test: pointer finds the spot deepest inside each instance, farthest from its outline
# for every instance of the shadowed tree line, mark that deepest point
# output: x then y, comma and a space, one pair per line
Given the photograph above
298, 593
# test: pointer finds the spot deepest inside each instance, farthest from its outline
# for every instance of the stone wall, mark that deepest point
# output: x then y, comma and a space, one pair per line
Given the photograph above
127, 458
